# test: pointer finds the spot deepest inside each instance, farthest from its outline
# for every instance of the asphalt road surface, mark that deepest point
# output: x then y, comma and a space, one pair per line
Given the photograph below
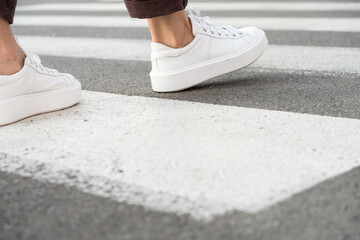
270, 152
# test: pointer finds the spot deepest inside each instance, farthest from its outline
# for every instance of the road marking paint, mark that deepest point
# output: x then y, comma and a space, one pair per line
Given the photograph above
206, 6
271, 23
181, 157
330, 59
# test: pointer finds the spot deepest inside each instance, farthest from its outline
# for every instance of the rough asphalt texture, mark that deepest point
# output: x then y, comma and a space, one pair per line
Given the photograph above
31, 209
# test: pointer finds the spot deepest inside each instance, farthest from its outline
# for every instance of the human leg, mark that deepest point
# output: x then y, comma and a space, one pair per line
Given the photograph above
11, 58
172, 30
168, 22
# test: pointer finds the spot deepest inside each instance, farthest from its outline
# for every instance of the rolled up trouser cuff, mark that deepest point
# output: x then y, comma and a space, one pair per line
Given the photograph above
154, 8
7, 9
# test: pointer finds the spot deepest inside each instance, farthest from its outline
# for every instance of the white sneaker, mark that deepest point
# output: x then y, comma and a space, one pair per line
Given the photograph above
214, 51
34, 90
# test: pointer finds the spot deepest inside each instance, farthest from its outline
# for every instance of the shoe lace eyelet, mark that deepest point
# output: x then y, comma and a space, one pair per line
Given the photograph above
204, 29
212, 32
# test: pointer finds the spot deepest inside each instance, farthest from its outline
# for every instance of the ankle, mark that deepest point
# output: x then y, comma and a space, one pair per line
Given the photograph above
176, 39
11, 59
174, 30
11, 63
9, 53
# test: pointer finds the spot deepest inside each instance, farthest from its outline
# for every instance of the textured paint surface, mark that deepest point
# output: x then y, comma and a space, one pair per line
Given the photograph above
181, 157
276, 56
271, 23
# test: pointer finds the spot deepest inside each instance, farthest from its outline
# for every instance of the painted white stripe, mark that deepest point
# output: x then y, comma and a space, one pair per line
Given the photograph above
181, 157
306, 24
277, 56
208, 6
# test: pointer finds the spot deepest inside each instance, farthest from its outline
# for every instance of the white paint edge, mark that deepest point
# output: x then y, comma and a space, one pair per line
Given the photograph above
181, 157
206, 6
330, 59
270, 23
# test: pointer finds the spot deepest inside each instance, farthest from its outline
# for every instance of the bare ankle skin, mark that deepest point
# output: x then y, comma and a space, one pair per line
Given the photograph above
173, 30
11, 59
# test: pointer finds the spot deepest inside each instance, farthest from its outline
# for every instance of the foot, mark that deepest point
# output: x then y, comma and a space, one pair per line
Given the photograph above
35, 89
216, 50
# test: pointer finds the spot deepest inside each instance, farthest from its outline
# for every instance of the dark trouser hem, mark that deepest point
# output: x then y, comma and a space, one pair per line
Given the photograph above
154, 8
7, 9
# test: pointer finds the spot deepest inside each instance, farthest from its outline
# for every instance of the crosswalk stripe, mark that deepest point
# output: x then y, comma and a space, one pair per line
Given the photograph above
330, 59
133, 149
271, 23
206, 6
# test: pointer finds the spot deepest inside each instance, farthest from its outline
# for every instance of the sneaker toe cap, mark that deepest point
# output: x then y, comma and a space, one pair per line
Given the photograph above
71, 80
254, 32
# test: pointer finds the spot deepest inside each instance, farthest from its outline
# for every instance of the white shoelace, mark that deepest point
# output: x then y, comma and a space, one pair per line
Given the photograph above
209, 27
36, 62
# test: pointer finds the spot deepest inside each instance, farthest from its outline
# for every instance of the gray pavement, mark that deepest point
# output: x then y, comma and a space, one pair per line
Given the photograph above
295, 91
32, 209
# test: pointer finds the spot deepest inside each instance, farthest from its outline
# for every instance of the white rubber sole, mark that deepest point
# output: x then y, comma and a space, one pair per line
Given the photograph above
17, 108
179, 80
